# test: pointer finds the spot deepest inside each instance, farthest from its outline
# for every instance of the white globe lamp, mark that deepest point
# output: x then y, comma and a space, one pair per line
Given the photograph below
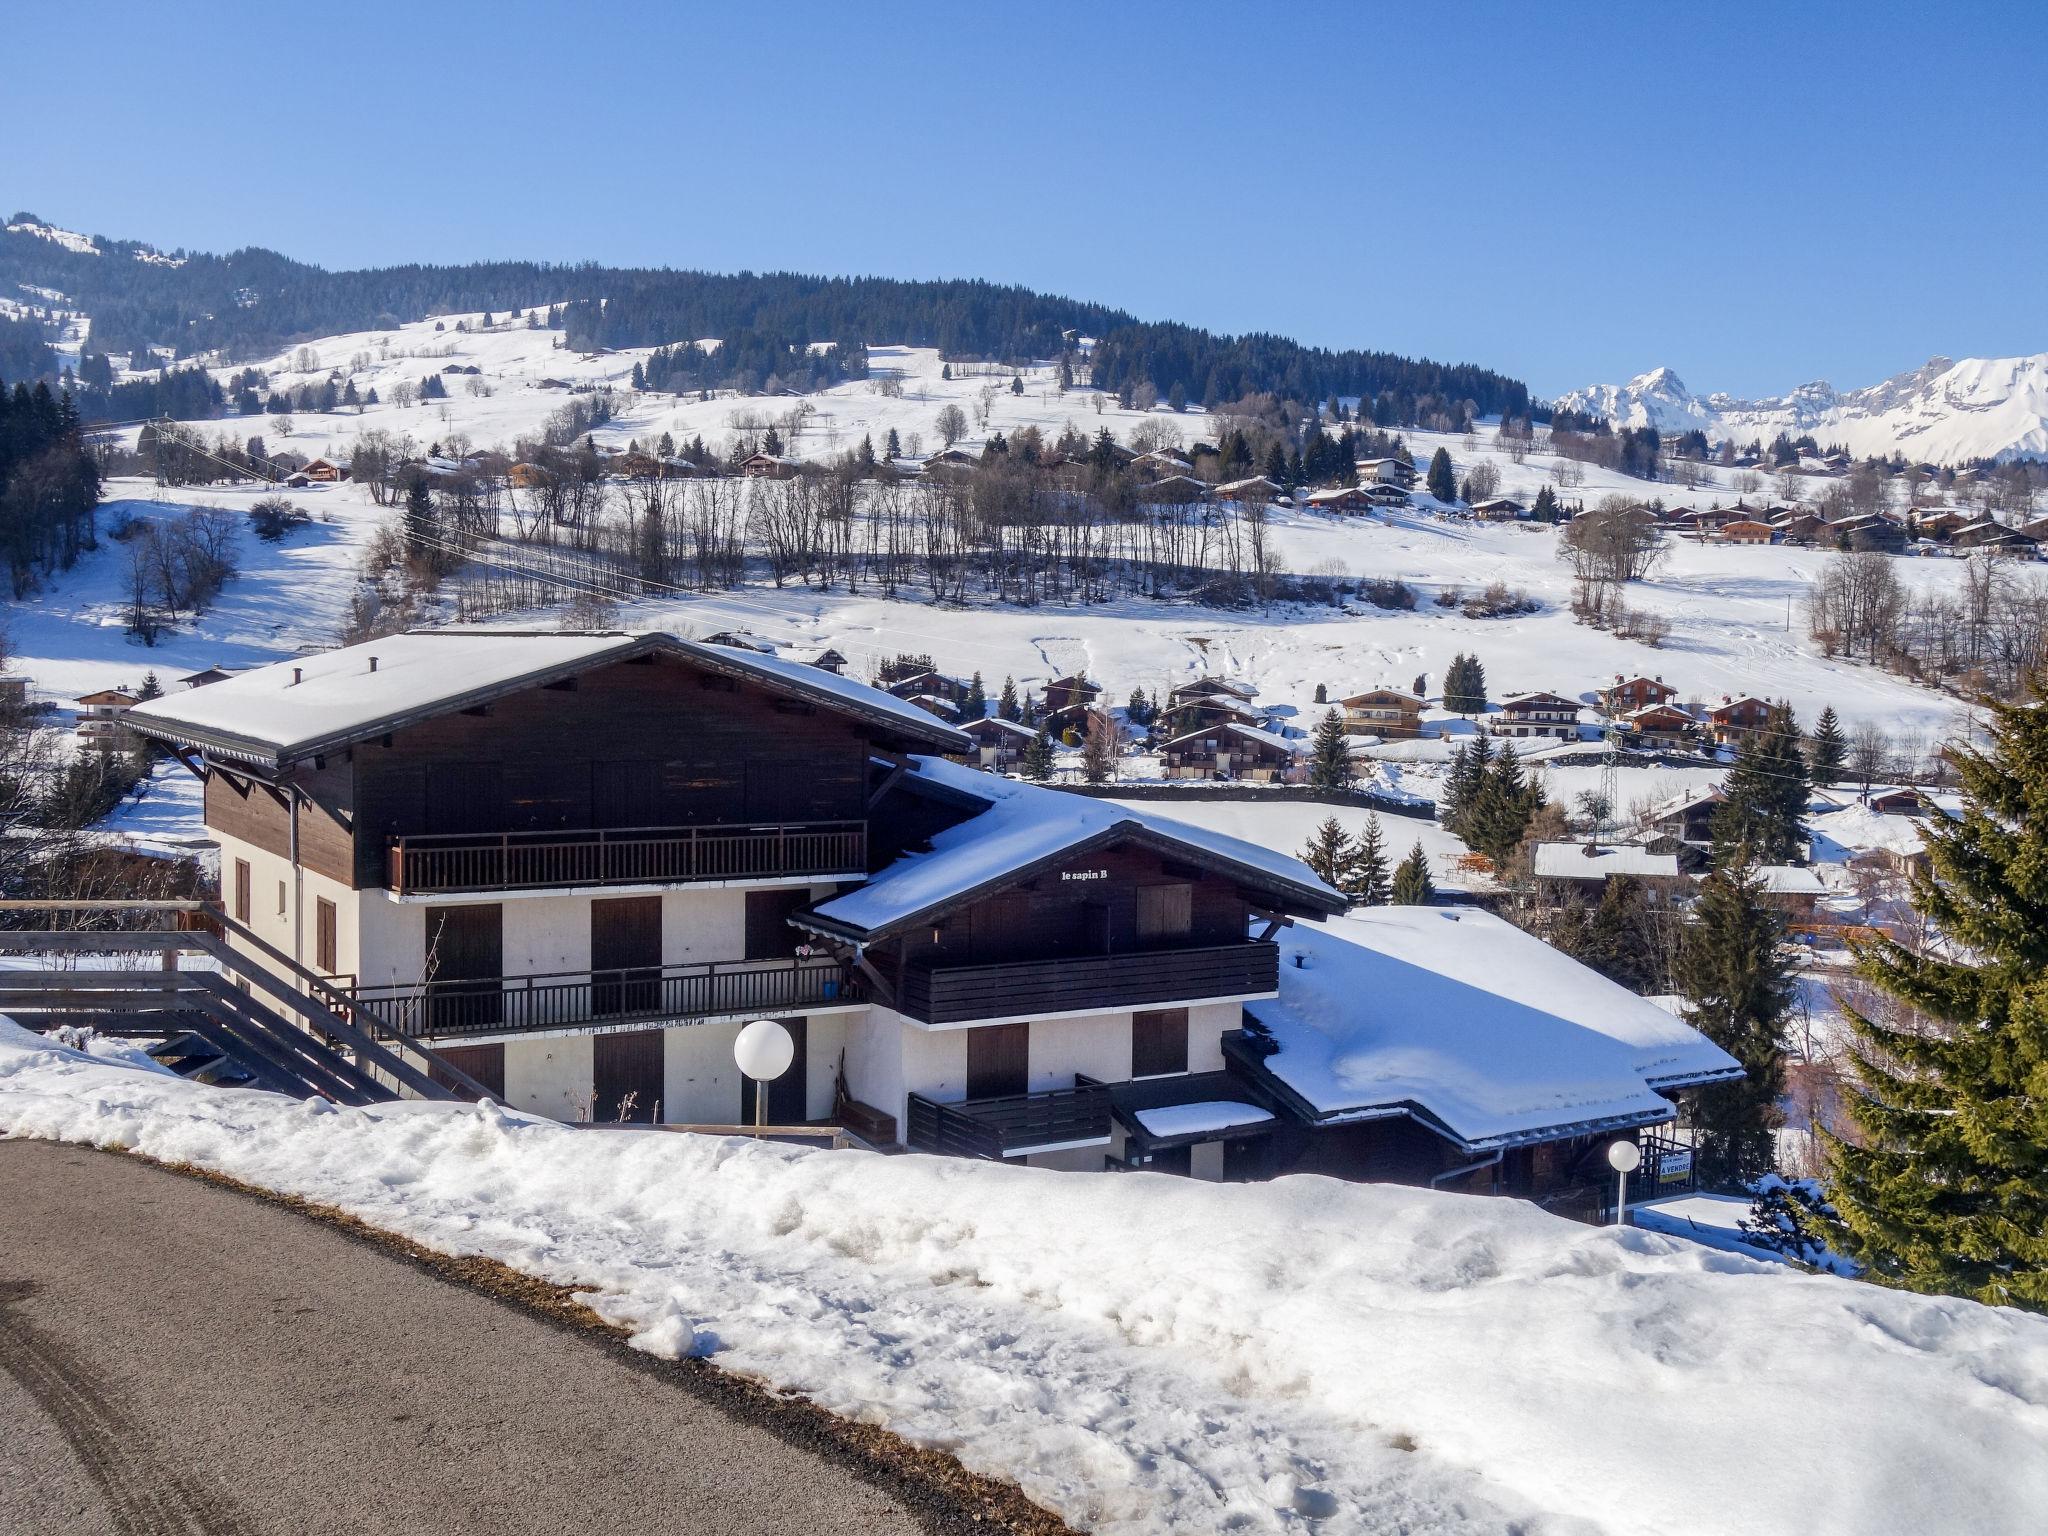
763, 1051
1624, 1157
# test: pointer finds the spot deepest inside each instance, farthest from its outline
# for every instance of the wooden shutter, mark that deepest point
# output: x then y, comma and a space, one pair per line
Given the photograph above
485, 1063
998, 1061
466, 958
242, 890
1159, 1042
626, 1076
625, 954
1165, 912
323, 935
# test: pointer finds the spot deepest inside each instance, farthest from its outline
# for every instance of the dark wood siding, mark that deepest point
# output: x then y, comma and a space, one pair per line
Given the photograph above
769, 936
323, 935
259, 817
466, 944
241, 890
998, 1061
789, 1094
626, 1076
643, 745
485, 1063
625, 954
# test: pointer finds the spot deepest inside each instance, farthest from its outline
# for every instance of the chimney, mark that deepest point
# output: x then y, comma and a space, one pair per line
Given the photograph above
297, 675
373, 663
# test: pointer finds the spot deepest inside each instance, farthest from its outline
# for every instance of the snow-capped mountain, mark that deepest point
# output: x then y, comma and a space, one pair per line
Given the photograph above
1941, 412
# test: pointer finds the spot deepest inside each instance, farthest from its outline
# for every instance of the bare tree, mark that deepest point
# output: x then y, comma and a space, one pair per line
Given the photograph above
951, 424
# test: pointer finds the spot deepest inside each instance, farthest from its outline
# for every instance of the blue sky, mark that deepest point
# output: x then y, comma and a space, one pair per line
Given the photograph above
1756, 196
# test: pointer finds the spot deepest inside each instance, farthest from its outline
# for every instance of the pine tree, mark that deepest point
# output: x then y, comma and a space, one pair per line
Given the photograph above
1738, 989
1098, 748
1037, 761
151, 688
1006, 702
893, 445
1544, 508
1501, 807
1330, 767
1465, 686
1469, 765
1365, 880
975, 705
1017, 385
1412, 886
1137, 711
1442, 481
1948, 1190
1322, 693
1827, 750
1764, 796
1328, 852
421, 531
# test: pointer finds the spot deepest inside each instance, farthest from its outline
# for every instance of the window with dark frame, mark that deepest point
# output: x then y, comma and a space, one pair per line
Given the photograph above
1165, 912
1159, 1042
242, 897
324, 947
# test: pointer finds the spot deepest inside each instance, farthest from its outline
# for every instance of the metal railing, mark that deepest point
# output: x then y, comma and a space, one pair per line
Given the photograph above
510, 861
1000, 1127
508, 1005
1130, 979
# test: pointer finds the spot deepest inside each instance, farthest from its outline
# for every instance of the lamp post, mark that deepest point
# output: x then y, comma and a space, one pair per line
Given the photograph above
763, 1052
1624, 1157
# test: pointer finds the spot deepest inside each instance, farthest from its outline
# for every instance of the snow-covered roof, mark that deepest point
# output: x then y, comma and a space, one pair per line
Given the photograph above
1291, 746
998, 723
1025, 827
1483, 1029
1789, 880
1194, 1119
1585, 861
365, 690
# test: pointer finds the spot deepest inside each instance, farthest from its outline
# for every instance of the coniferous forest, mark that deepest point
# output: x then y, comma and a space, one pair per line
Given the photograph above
254, 302
49, 484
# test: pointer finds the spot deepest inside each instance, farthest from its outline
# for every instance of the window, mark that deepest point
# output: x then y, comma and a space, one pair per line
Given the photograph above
323, 935
1159, 1042
280, 898
242, 896
1165, 912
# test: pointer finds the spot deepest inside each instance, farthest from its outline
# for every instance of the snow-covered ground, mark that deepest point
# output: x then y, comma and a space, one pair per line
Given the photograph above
1152, 1354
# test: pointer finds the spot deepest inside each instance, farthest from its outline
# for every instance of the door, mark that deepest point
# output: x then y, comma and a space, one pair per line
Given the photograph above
625, 794
789, 1094
998, 1061
769, 936
465, 967
1166, 913
625, 956
483, 1063
626, 1076
1159, 1042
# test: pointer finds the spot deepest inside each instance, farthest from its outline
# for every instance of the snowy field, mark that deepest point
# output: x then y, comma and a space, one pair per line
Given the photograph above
1150, 1354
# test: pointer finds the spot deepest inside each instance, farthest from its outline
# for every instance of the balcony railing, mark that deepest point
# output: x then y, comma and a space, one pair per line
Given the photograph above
1010, 1126
443, 1009
957, 993
512, 861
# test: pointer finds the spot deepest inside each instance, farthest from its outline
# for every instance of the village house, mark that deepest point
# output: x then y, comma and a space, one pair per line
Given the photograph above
1663, 727
1070, 692
207, 675
770, 466
935, 684
1989, 534
1792, 889
13, 694
1872, 534
1803, 529
1537, 714
1688, 818
1349, 499
1745, 531
1251, 488
1625, 695
576, 864
1174, 490
1735, 720
1386, 493
324, 471
1389, 471
998, 743
1500, 509
1232, 750
1566, 865
1388, 712
1160, 464
830, 661
102, 714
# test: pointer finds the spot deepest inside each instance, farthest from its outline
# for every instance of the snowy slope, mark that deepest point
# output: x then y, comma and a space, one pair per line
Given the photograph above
1943, 412
1148, 1354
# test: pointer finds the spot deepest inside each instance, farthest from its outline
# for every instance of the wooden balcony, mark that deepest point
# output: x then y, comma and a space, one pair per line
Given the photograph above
1083, 983
521, 861
1011, 1126
567, 1000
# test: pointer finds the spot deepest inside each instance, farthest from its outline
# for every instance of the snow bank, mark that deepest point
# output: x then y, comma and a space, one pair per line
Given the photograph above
1151, 1354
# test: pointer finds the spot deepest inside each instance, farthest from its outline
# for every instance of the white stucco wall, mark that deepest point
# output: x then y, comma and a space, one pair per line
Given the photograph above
1098, 1044
550, 1077
702, 1083
1208, 1023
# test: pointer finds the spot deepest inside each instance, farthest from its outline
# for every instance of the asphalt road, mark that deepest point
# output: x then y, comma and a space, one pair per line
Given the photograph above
180, 1358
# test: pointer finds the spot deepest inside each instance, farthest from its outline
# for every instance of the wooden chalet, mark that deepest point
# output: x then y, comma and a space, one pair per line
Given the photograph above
1537, 714
998, 743
1251, 488
830, 661
1997, 537
1232, 750
1064, 693
1874, 534
1735, 720
324, 471
1391, 471
1159, 464
934, 684
1687, 818
1500, 509
1174, 490
1745, 531
1625, 695
1350, 498
102, 714
770, 466
1804, 529
1660, 726
1389, 712
1386, 493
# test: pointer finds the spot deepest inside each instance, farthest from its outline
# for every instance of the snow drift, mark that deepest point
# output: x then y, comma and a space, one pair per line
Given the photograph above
1151, 1354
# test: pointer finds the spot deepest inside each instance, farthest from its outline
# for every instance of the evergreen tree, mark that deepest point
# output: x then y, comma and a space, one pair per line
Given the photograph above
1828, 749
1501, 808
1544, 508
1764, 796
1412, 886
1442, 482
1017, 385
1098, 748
975, 705
1948, 1189
421, 530
1137, 711
893, 445
1366, 880
1469, 766
1328, 852
945, 370
1738, 989
151, 688
1037, 761
1322, 693
1330, 768
1006, 703
1465, 685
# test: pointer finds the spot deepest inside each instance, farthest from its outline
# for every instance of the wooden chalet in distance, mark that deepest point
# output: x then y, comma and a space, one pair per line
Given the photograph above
1209, 701
1232, 750
101, 715
1734, 720
1500, 509
1537, 714
1390, 712
1745, 531
1627, 694
1663, 727
998, 743
323, 471
1066, 703
576, 864
1350, 498
1388, 471
770, 466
